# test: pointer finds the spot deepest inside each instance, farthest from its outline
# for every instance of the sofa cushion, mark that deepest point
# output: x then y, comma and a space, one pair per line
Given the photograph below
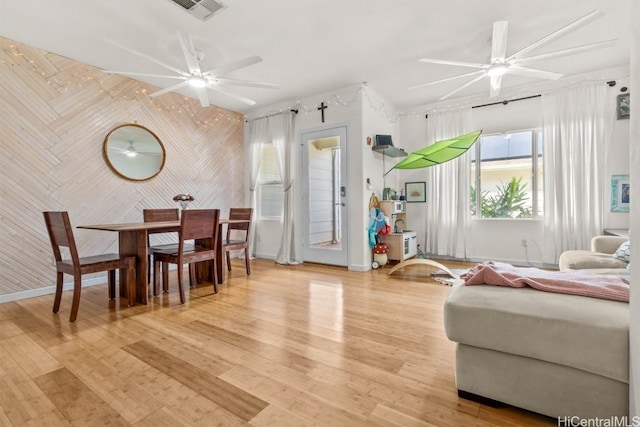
585, 333
580, 259
623, 253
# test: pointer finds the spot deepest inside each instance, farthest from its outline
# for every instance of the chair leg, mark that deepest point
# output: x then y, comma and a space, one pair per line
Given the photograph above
58, 297
180, 287
149, 269
156, 276
165, 277
111, 274
247, 261
228, 256
77, 287
192, 275
214, 272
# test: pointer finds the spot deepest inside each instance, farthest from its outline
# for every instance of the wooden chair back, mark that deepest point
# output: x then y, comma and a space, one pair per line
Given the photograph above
235, 230
61, 235
240, 213
198, 224
156, 215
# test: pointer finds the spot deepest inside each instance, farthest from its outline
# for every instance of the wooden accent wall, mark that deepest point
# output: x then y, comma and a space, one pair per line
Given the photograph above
54, 115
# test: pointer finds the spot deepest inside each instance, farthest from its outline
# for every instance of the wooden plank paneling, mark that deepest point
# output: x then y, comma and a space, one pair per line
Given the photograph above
56, 113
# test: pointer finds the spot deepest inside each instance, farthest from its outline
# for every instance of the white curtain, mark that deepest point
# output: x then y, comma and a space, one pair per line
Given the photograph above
258, 136
281, 128
448, 188
577, 126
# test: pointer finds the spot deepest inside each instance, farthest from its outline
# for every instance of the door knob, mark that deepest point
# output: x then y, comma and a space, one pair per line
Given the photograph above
340, 204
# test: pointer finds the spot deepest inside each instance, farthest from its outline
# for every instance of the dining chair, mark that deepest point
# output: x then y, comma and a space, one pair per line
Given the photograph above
200, 225
61, 236
240, 231
156, 215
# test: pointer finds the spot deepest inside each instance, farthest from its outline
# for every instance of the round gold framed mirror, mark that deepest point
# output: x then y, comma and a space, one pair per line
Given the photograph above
133, 152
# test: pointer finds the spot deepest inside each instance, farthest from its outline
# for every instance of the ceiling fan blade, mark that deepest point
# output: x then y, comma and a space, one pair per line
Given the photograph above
469, 83
232, 66
127, 73
169, 89
499, 41
246, 83
569, 51
141, 153
459, 63
189, 52
554, 35
473, 73
494, 86
230, 94
531, 72
202, 96
147, 57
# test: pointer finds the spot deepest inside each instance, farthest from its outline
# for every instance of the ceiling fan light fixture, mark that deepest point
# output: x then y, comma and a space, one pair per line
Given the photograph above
497, 70
197, 82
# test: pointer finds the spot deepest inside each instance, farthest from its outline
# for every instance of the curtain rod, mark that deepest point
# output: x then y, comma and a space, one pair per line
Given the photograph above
274, 114
505, 102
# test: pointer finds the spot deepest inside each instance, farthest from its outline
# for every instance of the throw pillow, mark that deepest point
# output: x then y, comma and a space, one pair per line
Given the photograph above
623, 252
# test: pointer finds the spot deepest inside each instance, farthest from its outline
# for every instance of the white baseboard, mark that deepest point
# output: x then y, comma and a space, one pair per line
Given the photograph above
67, 286
517, 262
47, 290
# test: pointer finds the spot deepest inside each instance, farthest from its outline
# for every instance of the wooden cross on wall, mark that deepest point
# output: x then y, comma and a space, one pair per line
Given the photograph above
322, 107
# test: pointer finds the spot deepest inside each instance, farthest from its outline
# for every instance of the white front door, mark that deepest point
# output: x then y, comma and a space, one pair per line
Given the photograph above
324, 197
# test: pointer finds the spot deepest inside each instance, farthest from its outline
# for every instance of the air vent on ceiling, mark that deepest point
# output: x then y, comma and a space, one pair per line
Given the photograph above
201, 9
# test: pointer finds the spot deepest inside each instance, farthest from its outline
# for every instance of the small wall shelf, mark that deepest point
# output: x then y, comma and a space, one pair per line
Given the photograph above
389, 150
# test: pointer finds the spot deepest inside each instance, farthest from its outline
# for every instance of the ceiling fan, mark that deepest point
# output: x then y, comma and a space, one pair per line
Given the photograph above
502, 64
195, 77
131, 151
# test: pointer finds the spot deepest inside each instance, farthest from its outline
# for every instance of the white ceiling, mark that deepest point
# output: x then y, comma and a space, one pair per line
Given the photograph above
310, 46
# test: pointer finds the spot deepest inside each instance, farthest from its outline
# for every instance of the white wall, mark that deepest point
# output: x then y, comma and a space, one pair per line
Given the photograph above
377, 119
345, 109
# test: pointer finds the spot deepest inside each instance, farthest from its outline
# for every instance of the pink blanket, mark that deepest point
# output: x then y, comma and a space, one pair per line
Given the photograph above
563, 282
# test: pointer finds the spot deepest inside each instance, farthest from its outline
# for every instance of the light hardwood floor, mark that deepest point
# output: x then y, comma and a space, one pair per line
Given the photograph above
287, 346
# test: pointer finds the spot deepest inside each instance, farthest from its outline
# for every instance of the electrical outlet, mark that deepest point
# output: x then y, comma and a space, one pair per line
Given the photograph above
523, 242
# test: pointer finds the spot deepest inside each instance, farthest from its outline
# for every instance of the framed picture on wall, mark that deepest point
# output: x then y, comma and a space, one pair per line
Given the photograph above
415, 192
620, 193
622, 106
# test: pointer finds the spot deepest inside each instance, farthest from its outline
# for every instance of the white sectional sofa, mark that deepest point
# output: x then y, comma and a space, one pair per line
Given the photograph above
554, 354
599, 260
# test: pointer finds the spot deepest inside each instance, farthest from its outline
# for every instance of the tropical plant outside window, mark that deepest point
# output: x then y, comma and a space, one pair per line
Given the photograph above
507, 182
270, 191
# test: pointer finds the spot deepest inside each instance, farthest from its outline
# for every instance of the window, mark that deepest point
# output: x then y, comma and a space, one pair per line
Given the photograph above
270, 190
507, 181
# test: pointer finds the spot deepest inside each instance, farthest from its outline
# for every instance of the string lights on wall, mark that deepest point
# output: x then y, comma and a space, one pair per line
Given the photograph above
187, 107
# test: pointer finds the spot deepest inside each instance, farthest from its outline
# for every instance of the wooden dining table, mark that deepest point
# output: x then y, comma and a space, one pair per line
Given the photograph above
132, 240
